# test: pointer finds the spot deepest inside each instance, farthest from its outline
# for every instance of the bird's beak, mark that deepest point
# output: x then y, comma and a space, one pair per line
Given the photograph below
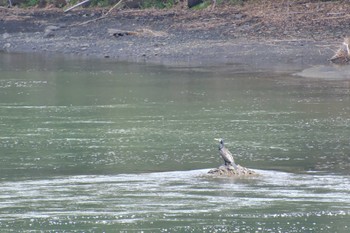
217, 139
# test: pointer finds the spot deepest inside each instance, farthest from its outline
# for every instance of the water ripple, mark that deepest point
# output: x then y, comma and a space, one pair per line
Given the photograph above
161, 197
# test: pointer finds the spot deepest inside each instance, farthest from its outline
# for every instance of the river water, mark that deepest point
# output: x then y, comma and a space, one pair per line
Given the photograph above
102, 146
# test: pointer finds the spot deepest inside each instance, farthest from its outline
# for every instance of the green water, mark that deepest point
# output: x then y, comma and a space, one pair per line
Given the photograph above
94, 146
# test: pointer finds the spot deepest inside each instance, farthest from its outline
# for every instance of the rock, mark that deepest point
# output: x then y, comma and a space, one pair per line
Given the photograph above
6, 35
49, 31
238, 16
52, 28
7, 45
230, 171
48, 34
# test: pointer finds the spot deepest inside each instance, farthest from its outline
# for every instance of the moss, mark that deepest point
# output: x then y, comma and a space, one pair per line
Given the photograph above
160, 4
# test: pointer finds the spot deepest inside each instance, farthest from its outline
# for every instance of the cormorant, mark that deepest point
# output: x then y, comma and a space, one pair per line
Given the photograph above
225, 153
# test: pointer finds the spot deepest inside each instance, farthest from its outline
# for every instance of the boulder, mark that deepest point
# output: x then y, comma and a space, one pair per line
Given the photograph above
230, 171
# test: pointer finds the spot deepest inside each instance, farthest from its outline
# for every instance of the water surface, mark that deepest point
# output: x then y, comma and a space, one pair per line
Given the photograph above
91, 145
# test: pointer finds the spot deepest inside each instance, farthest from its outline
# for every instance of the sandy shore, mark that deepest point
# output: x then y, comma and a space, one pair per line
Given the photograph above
177, 37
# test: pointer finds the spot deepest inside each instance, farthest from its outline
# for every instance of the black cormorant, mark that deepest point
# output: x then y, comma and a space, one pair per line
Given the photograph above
226, 154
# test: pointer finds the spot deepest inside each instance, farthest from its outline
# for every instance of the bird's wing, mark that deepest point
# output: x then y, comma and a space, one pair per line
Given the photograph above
227, 151
227, 154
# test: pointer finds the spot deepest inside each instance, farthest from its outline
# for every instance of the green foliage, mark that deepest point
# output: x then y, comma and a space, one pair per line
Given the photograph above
234, 2
30, 3
230, 2
160, 4
100, 3
203, 5
207, 3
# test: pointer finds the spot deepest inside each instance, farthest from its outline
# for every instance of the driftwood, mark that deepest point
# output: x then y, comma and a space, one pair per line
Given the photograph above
102, 17
76, 5
230, 171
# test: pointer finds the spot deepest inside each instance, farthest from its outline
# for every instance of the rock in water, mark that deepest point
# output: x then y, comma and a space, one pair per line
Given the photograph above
230, 171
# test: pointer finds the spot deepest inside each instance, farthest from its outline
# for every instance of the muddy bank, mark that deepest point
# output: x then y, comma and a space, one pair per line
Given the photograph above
181, 37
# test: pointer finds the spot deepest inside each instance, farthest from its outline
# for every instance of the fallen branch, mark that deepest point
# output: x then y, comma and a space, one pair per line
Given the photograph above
112, 8
99, 18
76, 5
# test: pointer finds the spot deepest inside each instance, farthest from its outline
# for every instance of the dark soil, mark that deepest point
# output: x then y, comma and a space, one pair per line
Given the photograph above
262, 35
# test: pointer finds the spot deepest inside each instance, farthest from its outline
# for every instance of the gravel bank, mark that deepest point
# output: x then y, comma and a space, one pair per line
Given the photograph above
182, 37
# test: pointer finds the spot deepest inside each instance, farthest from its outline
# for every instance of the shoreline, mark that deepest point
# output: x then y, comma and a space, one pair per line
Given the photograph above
182, 38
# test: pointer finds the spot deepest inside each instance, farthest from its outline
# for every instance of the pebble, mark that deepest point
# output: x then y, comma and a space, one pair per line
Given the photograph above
238, 16
48, 34
52, 28
7, 45
5, 35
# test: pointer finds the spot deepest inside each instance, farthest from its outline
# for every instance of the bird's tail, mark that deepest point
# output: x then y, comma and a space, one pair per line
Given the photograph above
234, 165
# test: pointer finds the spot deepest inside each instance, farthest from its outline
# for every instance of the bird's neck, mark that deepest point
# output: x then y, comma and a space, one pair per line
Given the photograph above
221, 146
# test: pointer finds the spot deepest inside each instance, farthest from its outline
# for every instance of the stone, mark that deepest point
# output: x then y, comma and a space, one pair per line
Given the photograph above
7, 45
6, 35
238, 16
52, 28
49, 31
48, 34
230, 171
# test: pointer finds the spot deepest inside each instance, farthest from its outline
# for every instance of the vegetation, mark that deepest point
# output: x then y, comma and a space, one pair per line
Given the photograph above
100, 3
159, 3
30, 3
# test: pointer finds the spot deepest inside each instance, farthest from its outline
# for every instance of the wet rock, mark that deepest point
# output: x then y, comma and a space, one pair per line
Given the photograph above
230, 171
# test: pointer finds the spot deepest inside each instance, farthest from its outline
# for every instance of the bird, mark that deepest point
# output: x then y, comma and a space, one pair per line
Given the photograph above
225, 153
342, 56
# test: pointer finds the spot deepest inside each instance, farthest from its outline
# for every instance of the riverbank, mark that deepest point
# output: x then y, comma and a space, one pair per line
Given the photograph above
273, 35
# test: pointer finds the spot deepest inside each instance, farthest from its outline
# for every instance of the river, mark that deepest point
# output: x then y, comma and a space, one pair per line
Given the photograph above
106, 146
